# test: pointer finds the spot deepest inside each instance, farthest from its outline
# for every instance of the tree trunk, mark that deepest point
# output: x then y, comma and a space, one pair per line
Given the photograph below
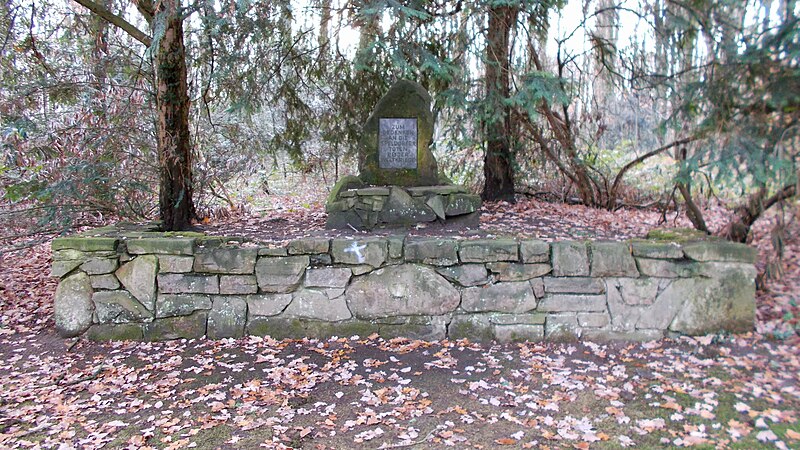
172, 127
498, 161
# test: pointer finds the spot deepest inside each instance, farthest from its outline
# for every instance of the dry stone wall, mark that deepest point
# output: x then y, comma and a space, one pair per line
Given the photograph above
117, 284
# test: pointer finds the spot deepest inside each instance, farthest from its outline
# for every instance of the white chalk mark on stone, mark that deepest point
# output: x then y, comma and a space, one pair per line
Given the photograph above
356, 250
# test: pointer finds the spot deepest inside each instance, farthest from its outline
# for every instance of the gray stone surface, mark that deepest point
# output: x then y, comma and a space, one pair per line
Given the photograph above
574, 285
107, 281
182, 327
309, 246
118, 307
506, 271
139, 278
63, 267
638, 292
537, 284
572, 302
227, 318
562, 327
404, 290
225, 260
434, 251
267, 304
280, 274
270, 251
718, 250
534, 251
612, 259
115, 332
662, 268
460, 204
465, 274
85, 244
100, 266
362, 251
161, 246
489, 250
328, 277
175, 264
570, 259
178, 283
593, 320
656, 249
601, 335
73, 305
314, 304
396, 246
401, 208
518, 333
238, 284
169, 305
510, 297
436, 204
723, 303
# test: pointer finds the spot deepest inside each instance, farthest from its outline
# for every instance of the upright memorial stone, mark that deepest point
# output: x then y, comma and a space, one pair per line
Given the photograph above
398, 182
395, 147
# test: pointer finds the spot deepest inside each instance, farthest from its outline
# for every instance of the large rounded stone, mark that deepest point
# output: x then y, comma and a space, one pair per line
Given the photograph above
404, 290
73, 305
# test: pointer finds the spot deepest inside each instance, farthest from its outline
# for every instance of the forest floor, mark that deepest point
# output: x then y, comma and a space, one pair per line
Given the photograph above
716, 391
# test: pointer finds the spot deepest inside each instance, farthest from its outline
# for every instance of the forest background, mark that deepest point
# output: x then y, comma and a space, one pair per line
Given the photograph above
186, 111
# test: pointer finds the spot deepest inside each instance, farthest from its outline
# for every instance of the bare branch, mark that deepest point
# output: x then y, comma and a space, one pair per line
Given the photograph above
117, 21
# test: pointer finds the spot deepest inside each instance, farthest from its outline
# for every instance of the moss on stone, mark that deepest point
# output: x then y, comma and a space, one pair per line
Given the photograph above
678, 235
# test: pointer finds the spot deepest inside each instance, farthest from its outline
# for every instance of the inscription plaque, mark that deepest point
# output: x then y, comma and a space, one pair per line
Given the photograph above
397, 144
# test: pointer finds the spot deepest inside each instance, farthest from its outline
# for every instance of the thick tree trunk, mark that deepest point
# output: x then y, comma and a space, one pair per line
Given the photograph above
172, 128
498, 161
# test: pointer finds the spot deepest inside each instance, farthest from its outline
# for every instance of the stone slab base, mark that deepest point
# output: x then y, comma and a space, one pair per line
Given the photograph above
122, 284
358, 207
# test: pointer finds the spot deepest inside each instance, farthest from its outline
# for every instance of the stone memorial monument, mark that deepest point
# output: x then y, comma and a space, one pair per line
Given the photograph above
399, 182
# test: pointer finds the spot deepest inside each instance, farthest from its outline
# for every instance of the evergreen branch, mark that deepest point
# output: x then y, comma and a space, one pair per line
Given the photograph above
117, 21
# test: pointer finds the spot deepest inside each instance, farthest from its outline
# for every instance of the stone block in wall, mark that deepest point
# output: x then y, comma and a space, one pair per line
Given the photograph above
434, 251
73, 305
725, 302
643, 302
465, 274
280, 274
403, 290
361, 251
107, 281
510, 297
402, 208
518, 333
662, 268
161, 246
64, 266
562, 327
320, 259
537, 284
489, 250
573, 285
115, 332
169, 305
100, 266
396, 246
269, 251
638, 291
192, 326
572, 302
309, 246
534, 251
656, 249
226, 260
138, 276
328, 277
593, 320
227, 318
719, 250
436, 204
475, 327
462, 203
570, 259
238, 284
267, 304
179, 283
118, 307
85, 244
507, 271
315, 304
175, 264
415, 327
612, 259
603, 335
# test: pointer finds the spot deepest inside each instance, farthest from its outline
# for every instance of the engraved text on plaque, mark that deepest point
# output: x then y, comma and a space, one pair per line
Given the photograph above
397, 144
